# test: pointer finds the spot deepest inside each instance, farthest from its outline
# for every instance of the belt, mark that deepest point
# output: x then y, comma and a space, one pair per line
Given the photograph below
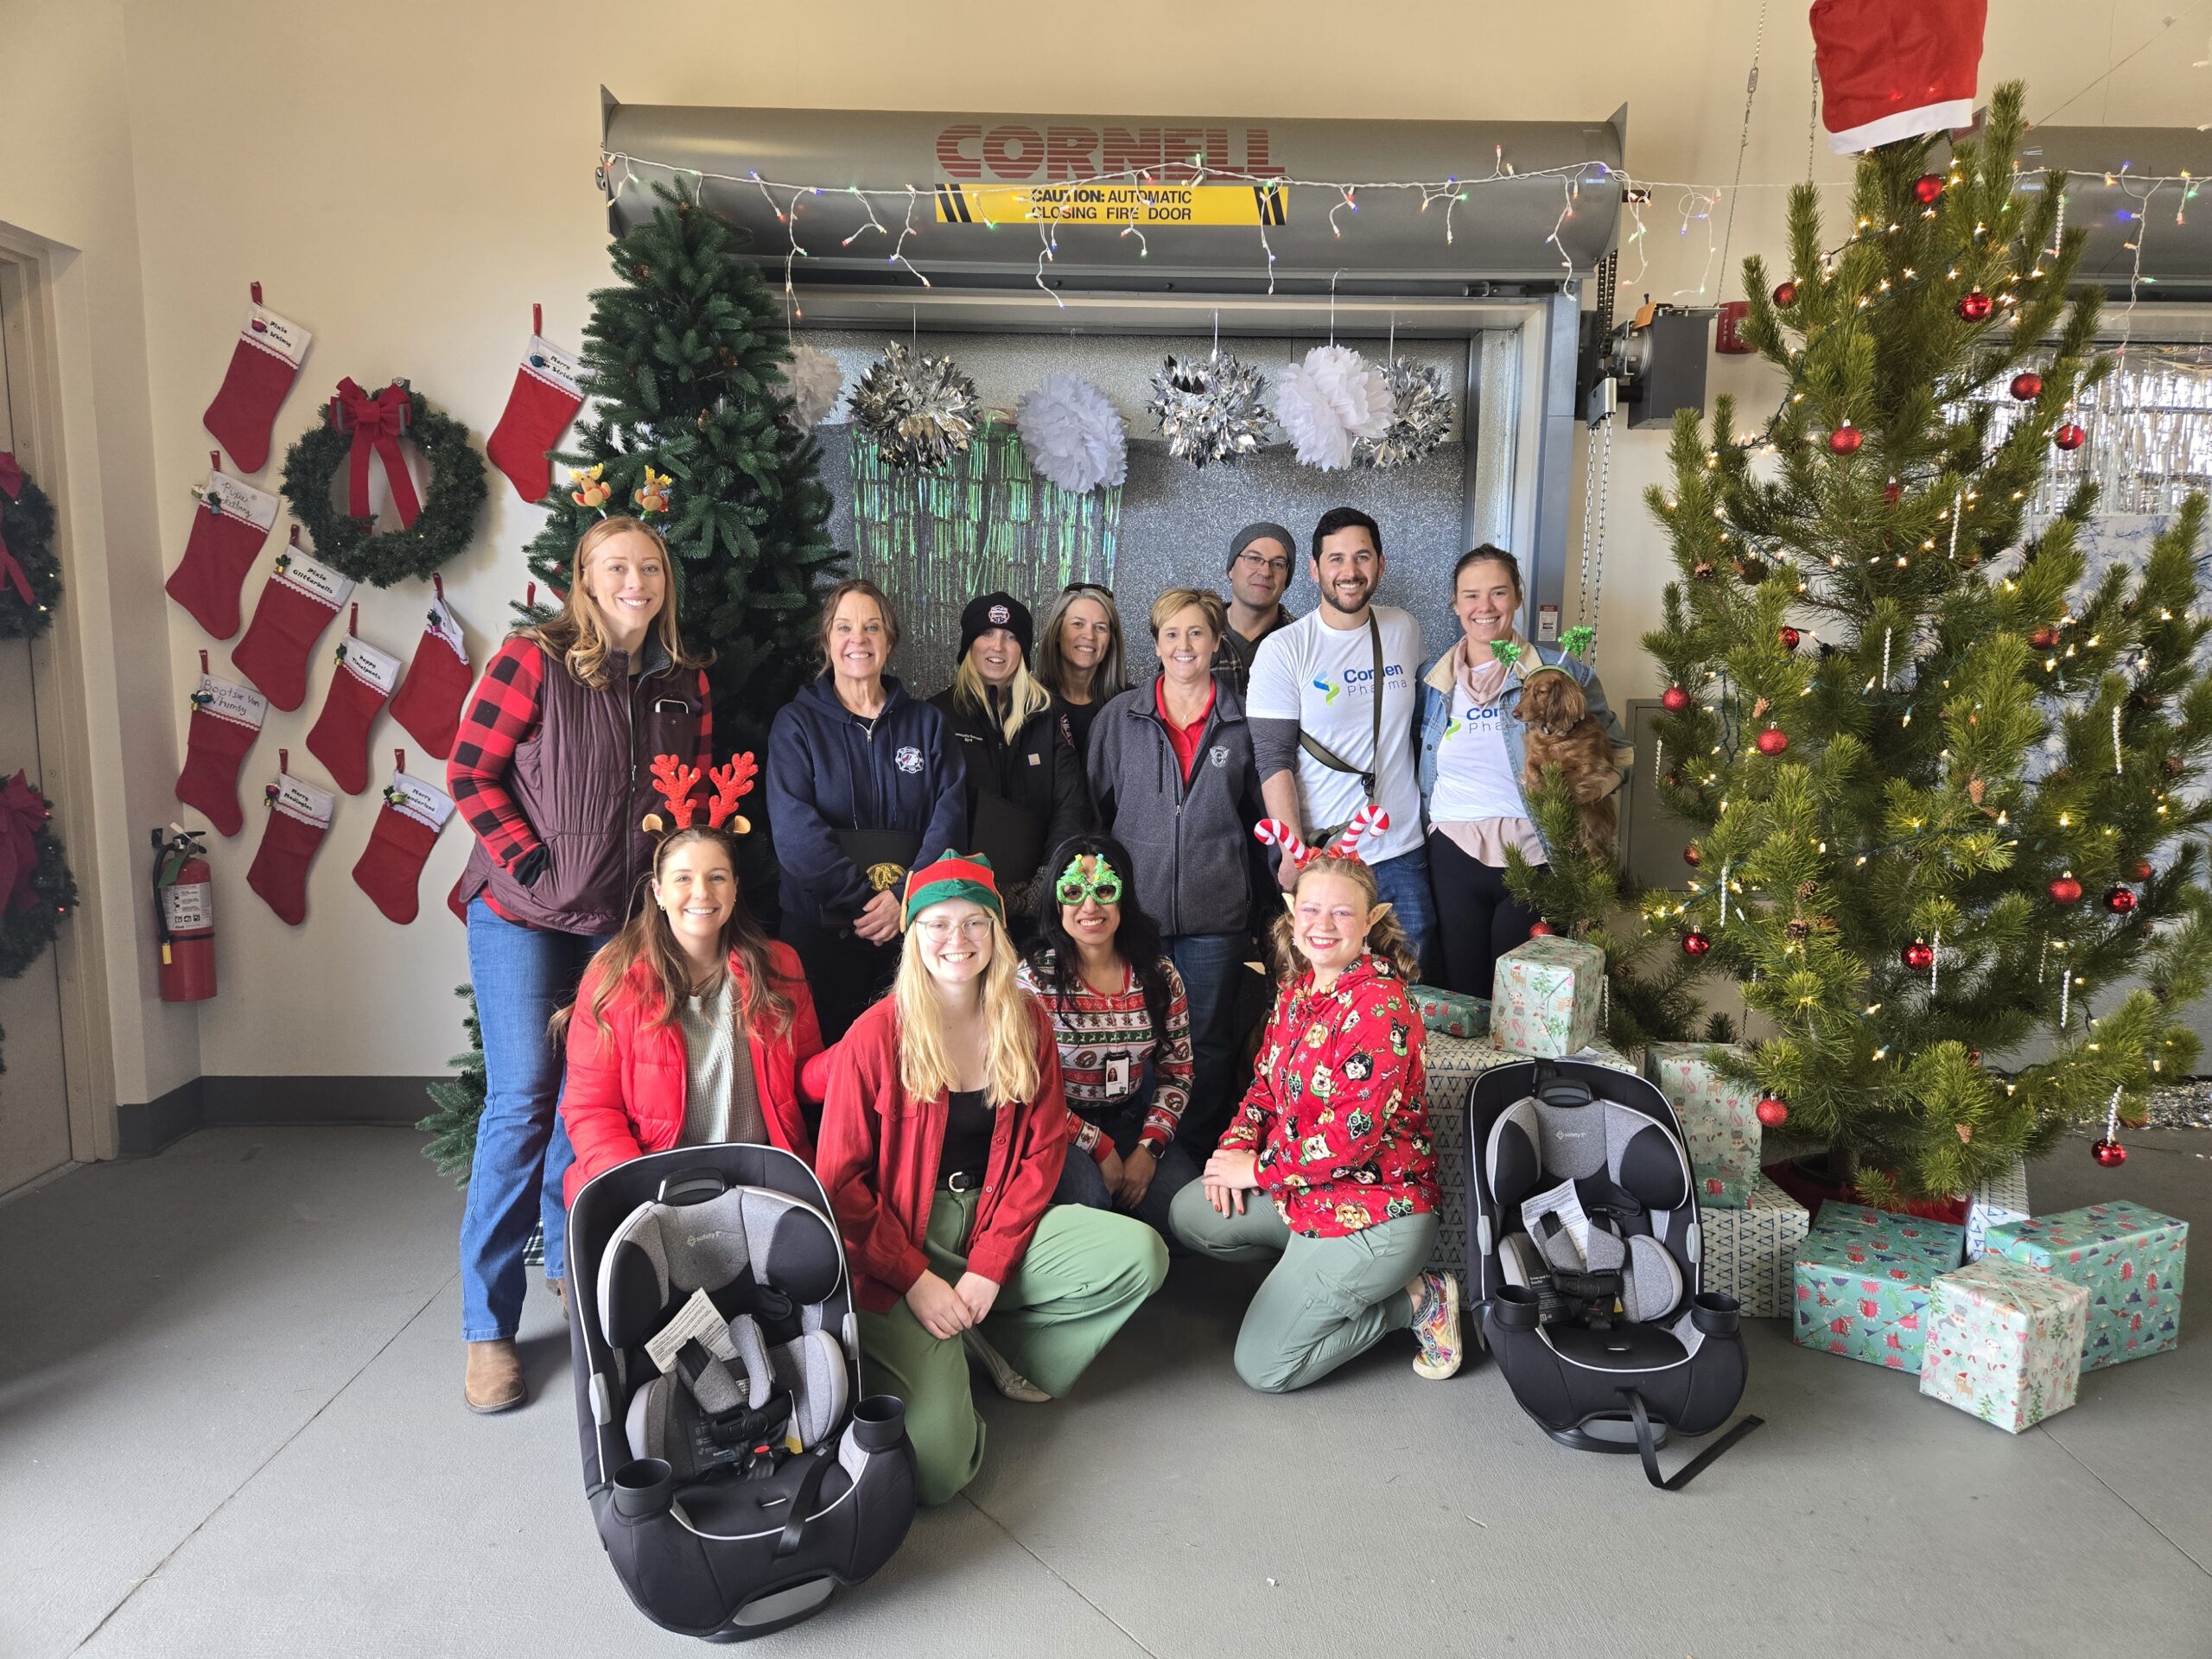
961, 1180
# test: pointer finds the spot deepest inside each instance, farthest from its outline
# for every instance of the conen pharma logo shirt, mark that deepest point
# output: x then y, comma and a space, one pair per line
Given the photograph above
1474, 772
1359, 681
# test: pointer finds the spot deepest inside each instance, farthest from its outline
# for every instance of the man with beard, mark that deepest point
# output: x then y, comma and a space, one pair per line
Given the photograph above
1259, 572
1331, 707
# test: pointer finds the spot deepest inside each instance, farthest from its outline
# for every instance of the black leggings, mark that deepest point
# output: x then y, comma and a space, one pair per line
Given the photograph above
1477, 919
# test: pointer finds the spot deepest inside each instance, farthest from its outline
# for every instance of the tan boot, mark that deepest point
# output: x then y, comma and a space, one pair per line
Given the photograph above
494, 1379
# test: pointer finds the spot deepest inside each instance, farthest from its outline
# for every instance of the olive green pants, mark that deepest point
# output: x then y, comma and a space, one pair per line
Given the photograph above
1083, 1273
1327, 1298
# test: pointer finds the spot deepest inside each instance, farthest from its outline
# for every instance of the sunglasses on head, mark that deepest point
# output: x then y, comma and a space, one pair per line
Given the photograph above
1089, 587
1102, 882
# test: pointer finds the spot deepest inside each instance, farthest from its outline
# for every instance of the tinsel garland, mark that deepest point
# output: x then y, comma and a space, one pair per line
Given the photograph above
1421, 417
921, 408
1208, 410
353, 546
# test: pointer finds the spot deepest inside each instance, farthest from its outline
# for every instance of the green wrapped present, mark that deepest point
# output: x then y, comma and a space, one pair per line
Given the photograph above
2127, 1257
2004, 1342
1544, 1000
1719, 1119
1863, 1279
1450, 1013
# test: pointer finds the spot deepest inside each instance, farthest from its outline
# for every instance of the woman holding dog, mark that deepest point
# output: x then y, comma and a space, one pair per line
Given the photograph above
1474, 751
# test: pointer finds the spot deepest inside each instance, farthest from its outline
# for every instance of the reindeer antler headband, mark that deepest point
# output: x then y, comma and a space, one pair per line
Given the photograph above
1276, 833
674, 782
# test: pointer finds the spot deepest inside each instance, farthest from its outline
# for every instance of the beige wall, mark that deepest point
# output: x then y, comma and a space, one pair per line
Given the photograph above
405, 184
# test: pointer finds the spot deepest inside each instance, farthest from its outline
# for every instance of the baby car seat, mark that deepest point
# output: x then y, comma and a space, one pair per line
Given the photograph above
735, 1482
1596, 1320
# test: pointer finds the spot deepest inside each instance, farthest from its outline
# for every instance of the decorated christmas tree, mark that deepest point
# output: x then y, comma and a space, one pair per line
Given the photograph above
1944, 783
683, 364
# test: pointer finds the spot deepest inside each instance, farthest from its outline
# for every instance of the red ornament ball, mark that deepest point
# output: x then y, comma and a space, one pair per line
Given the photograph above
1785, 294
2120, 900
1696, 942
1892, 493
2044, 638
2110, 1153
2027, 386
1540, 929
1919, 955
1976, 305
1791, 639
1773, 1110
1926, 187
1773, 741
2065, 890
1974, 1057
1845, 439
2142, 871
2069, 436
1674, 699
1691, 856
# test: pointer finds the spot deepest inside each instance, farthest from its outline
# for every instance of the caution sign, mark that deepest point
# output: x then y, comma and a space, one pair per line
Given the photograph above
1148, 206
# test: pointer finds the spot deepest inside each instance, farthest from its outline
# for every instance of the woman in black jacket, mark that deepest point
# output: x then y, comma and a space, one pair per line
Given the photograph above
1026, 793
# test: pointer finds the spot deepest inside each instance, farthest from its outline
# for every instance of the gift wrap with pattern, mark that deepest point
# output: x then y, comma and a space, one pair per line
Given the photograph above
1751, 1253
1453, 1064
1996, 1200
1861, 1285
2004, 1342
1719, 1119
1448, 1013
1544, 998
2130, 1260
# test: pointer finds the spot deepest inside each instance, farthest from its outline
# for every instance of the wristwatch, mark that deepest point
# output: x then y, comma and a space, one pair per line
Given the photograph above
1152, 1148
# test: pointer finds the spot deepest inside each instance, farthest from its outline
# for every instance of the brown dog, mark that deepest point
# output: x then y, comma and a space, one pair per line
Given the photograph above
1561, 733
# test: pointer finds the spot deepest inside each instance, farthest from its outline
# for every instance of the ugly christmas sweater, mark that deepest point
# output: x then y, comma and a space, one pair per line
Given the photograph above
1092, 1029
1337, 1110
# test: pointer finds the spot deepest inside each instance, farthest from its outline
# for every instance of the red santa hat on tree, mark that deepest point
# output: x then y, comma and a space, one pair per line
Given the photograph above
1893, 69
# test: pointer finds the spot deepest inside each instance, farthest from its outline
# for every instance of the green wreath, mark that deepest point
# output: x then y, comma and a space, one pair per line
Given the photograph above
26, 544
353, 546
28, 927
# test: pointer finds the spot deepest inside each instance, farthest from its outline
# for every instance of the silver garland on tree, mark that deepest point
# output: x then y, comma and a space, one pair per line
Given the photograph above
1208, 410
1421, 417
921, 408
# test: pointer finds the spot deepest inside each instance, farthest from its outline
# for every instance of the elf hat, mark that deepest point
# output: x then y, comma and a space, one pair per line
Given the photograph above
995, 610
956, 875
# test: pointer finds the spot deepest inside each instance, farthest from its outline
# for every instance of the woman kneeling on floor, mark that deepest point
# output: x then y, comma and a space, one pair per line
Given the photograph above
1333, 1133
1124, 1032
944, 1134
692, 1026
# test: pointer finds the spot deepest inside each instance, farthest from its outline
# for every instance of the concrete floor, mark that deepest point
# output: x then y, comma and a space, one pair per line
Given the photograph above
230, 1424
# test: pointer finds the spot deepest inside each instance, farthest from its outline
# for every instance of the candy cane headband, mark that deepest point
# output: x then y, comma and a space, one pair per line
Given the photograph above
674, 781
1276, 833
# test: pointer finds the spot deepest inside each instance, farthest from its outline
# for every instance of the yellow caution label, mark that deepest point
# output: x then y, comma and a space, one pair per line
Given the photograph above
1148, 206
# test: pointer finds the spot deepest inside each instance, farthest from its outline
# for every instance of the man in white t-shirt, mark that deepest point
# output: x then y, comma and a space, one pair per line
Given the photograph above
1334, 707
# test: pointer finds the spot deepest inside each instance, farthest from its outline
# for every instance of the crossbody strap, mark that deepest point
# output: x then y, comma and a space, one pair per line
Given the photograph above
1328, 758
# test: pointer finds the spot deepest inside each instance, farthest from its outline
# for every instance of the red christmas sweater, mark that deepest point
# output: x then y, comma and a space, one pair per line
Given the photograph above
1337, 1110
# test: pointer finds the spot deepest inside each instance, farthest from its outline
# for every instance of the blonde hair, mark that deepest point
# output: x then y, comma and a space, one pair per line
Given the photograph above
1025, 696
1110, 677
576, 638
1385, 938
926, 1069
837, 596
1177, 600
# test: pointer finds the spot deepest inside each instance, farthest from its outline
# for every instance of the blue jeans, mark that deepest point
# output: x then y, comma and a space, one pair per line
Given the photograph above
1209, 964
1403, 883
522, 975
1082, 1183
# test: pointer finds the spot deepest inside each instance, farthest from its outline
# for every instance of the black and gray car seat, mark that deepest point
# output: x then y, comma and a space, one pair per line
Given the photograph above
1608, 1344
734, 1480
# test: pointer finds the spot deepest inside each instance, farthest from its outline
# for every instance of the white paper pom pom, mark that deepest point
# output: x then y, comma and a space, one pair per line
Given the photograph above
813, 382
1326, 402
1074, 435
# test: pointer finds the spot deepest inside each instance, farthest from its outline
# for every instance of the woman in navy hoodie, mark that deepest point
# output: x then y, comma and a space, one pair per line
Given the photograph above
863, 784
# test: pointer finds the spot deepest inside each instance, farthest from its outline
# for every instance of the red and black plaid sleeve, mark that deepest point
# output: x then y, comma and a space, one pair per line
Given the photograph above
705, 758
502, 712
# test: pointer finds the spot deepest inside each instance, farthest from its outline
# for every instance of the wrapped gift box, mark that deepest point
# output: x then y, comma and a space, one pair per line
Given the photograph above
1751, 1253
2000, 1200
1719, 1119
2004, 1342
1544, 1000
1861, 1283
2128, 1258
1447, 1013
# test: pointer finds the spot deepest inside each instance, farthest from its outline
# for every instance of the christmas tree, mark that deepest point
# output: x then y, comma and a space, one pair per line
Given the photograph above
684, 365
1866, 651
460, 1099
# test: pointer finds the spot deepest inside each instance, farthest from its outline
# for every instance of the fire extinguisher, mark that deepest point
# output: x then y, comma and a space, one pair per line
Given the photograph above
184, 915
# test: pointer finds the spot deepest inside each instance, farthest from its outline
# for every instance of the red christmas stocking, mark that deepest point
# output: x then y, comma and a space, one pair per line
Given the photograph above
1893, 69
544, 400
429, 700
299, 817
227, 531
296, 605
407, 828
263, 363
359, 688
226, 719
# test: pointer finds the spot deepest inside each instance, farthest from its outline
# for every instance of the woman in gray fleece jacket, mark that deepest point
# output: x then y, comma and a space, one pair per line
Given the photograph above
1173, 778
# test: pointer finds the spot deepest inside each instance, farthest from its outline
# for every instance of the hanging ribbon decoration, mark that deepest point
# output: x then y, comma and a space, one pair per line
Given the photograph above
12, 573
375, 424
23, 813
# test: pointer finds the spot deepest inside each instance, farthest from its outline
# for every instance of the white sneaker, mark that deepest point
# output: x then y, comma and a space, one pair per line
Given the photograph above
1007, 1381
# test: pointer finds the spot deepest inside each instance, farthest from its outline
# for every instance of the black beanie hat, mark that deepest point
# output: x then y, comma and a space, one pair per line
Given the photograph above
1262, 532
994, 610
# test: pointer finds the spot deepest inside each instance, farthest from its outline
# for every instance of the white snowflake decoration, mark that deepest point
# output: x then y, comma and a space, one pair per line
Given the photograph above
1075, 436
1327, 402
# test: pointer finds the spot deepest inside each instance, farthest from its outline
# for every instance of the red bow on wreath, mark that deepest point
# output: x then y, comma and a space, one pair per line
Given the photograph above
11, 571
22, 814
375, 424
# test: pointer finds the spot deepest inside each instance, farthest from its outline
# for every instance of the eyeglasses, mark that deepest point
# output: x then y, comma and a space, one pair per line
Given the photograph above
1088, 587
1273, 567
938, 929
1076, 884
